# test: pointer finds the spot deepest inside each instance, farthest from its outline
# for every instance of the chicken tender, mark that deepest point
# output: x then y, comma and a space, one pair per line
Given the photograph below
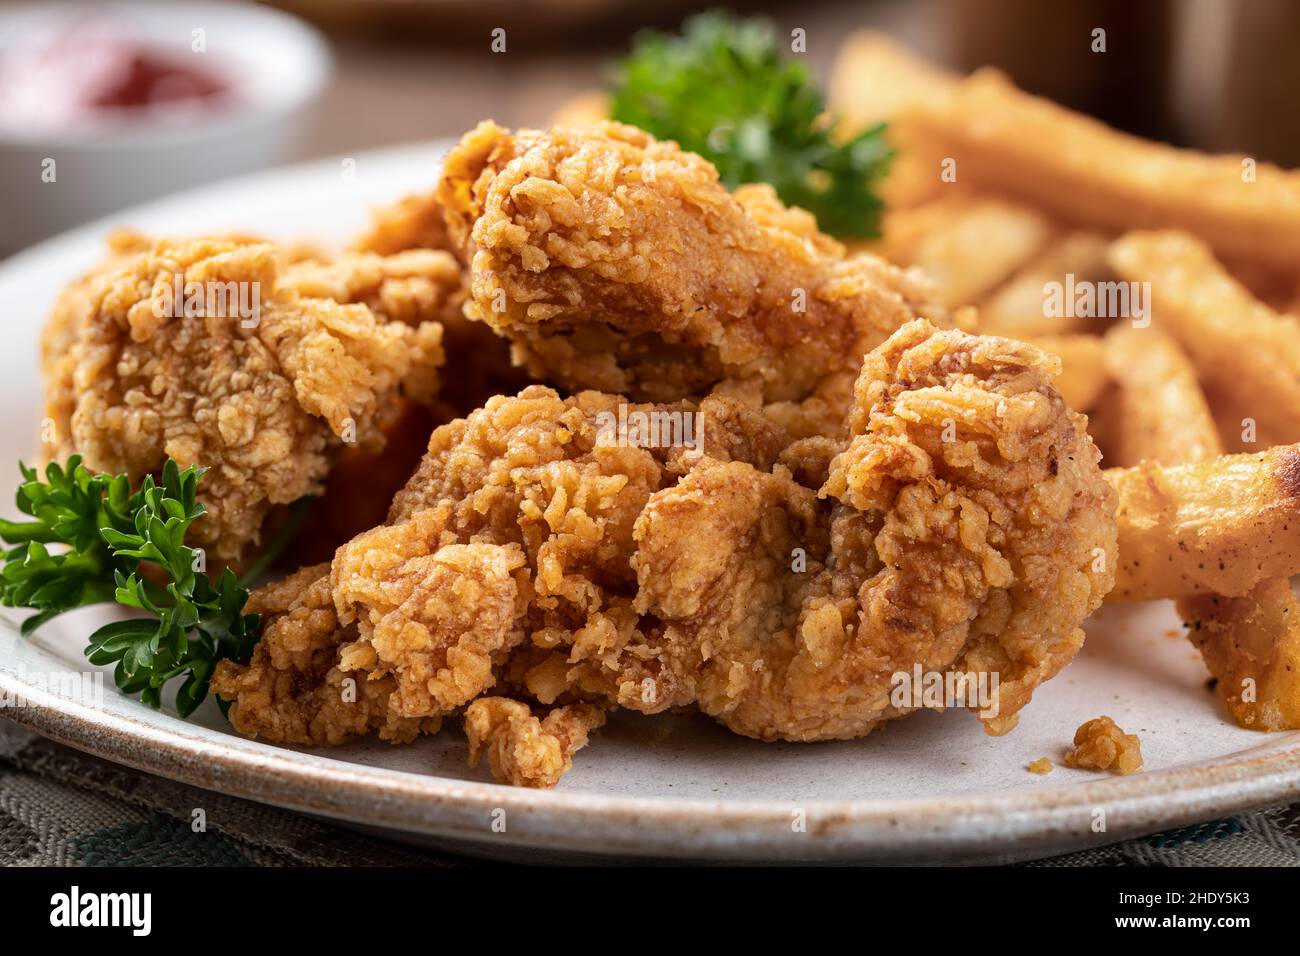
523, 750
413, 230
548, 551
514, 537
199, 351
293, 691
964, 527
616, 262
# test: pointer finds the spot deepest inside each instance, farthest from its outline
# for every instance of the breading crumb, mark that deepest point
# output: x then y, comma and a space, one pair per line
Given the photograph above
1043, 765
1099, 744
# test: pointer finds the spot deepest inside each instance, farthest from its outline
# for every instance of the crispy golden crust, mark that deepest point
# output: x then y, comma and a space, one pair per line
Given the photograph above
617, 262
478, 360
522, 750
413, 222
262, 396
964, 527
293, 691
517, 527
1099, 744
438, 617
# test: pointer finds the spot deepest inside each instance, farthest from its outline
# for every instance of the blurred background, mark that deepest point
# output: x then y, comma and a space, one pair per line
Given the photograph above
113, 87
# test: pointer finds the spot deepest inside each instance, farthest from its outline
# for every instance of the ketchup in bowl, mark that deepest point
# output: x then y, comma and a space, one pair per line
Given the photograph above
92, 77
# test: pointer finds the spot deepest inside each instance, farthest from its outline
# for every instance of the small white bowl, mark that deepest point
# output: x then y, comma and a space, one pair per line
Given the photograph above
276, 68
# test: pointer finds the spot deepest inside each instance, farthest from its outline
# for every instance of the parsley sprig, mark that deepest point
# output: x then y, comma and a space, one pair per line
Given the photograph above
127, 547
723, 90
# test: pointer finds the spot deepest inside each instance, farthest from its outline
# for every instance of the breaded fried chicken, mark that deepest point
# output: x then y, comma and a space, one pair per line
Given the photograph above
293, 690
547, 552
199, 350
478, 360
965, 527
617, 262
523, 750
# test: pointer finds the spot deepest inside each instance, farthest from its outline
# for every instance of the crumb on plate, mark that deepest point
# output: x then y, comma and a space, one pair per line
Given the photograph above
1100, 744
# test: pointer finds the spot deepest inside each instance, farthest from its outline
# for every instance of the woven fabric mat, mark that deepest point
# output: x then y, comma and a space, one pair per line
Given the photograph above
60, 807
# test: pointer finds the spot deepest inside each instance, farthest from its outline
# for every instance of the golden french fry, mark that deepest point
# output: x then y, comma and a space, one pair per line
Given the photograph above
875, 80
966, 244
1090, 174
1215, 527
1164, 418
1083, 375
1238, 344
1162, 412
1026, 305
1252, 647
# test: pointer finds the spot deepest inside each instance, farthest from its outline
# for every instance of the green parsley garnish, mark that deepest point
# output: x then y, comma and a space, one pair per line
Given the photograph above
111, 535
723, 90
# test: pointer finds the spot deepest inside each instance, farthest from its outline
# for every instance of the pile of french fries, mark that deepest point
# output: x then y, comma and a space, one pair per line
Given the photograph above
1186, 359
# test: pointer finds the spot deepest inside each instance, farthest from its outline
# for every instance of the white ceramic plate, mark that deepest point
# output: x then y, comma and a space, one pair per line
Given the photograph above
930, 787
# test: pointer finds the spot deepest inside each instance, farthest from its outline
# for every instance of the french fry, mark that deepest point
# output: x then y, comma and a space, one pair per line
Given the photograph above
1252, 646
1085, 172
966, 244
1162, 413
1020, 308
1221, 526
1238, 344
1083, 375
875, 80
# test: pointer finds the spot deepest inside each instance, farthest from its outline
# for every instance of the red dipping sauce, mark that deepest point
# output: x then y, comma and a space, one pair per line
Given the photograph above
90, 77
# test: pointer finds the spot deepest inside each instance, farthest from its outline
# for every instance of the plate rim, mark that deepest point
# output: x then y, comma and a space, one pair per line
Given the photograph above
987, 825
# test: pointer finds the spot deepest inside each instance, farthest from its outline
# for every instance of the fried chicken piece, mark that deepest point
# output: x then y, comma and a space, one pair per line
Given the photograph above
515, 532
437, 616
411, 286
617, 262
548, 550
413, 222
959, 529
522, 750
478, 364
198, 351
1099, 744
293, 691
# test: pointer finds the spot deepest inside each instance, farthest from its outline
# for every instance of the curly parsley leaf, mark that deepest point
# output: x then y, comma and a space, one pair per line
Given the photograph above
128, 547
723, 90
